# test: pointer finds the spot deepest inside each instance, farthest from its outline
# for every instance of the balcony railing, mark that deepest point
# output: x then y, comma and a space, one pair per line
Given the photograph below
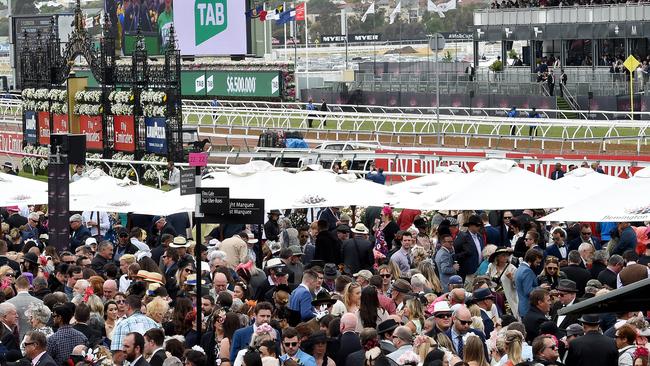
586, 14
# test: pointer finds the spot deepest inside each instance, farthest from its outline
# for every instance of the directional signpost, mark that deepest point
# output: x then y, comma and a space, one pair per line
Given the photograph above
631, 63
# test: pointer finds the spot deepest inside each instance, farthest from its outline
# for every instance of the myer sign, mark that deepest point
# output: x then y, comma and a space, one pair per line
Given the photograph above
210, 27
264, 84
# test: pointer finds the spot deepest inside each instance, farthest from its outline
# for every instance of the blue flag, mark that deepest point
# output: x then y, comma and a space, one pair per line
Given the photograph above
286, 17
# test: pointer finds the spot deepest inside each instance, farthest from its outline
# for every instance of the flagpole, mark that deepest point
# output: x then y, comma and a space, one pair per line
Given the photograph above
306, 45
265, 36
286, 54
374, 50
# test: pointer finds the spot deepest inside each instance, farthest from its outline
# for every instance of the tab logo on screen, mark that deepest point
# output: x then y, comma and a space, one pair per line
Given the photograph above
210, 19
238, 84
199, 83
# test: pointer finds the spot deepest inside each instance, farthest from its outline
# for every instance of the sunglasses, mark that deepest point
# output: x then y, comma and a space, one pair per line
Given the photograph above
551, 268
29, 343
68, 262
189, 270
507, 217
120, 301
586, 234
443, 316
10, 274
386, 276
465, 322
553, 347
290, 344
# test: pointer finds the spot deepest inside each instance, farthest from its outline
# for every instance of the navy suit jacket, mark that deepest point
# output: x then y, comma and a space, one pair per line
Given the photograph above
475, 331
466, 253
554, 250
240, 340
300, 301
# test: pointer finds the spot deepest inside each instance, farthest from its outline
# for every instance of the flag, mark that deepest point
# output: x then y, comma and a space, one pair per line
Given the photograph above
274, 14
300, 12
286, 17
433, 8
263, 14
395, 13
371, 10
255, 12
449, 5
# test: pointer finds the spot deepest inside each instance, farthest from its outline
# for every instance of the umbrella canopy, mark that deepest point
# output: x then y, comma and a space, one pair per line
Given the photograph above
97, 191
633, 297
15, 190
581, 183
500, 185
424, 192
282, 190
624, 201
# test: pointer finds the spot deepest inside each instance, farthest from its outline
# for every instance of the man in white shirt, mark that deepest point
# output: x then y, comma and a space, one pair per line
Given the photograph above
96, 219
173, 175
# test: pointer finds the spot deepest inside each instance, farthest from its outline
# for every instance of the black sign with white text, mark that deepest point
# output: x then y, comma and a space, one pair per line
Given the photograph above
242, 211
188, 184
214, 201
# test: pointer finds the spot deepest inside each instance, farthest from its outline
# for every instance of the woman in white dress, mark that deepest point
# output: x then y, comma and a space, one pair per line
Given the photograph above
502, 273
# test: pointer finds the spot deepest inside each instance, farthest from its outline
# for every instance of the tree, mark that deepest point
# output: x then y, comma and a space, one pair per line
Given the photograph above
24, 7
321, 7
458, 20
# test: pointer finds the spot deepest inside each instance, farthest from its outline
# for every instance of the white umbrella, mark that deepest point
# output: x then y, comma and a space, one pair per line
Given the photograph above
425, 191
584, 182
97, 191
627, 200
500, 185
15, 190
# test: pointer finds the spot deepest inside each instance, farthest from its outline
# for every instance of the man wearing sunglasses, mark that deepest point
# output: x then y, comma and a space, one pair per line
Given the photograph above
545, 350
462, 324
441, 319
291, 346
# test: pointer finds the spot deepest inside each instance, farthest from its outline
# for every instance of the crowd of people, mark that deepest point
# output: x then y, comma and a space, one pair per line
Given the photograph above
387, 288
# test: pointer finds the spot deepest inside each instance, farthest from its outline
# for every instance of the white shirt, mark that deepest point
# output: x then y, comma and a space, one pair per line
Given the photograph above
154, 352
174, 177
477, 243
560, 318
37, 358
99, 217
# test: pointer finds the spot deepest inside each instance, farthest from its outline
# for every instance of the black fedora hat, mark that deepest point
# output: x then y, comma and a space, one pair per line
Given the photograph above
474, 220
567, 286
498, 252
592, 319
323, 298
387, 326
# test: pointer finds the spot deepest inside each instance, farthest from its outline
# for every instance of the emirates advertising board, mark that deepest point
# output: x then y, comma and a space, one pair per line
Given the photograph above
124, 127
91, 126
210, 27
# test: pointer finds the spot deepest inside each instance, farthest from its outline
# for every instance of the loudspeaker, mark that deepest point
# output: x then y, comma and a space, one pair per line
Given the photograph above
72, 145
590, 95
471, 93
58, 205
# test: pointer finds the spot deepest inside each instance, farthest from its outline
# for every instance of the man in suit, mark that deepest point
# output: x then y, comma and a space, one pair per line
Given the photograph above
21, 301
593, 348
242, 337
301, 297
349, 340
328, 247
133, 348
385, 333
153, 346
585, 237
403, 340
79, 233
468, 246
558, 172
35, 349
103, 257
163, 227
576, 273
358, 357
81, 316
567, 294
9, 333
461, 325
447, 267
485, 299
608, 276
540, 305
357, 252
545, 351
170, 260
525, 279
559, 248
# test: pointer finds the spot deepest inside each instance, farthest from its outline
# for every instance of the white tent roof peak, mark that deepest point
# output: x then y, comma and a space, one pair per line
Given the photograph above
251, 168
497, 165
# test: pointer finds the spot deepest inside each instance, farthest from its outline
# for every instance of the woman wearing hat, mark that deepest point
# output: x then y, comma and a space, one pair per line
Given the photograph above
317, 347
502, 273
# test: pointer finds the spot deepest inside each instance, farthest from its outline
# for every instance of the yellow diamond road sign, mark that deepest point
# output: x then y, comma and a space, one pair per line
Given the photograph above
631, 63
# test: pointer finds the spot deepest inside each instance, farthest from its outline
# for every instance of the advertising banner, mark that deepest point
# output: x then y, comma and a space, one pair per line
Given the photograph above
60, 123
352, 38
91, 126
30, 127
124, 127
156, 140
264, 84
11, 142
44, 128
211, 27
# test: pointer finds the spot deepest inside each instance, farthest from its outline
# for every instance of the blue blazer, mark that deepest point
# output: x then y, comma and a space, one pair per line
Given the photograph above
466, 253
555, 251
240, 340
525, 282
300, 301
480, 334
575, 243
